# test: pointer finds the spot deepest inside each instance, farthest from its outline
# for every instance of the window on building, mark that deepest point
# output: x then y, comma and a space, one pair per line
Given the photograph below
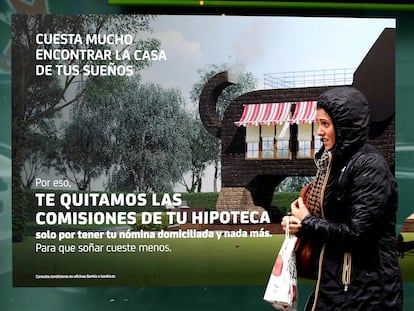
252, 151
252, 142
316, 138
267, 134
304, 150
282, 141
282, 148
305, 137
268, 147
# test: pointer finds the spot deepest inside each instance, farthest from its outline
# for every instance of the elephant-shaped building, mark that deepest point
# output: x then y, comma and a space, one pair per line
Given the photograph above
267, 135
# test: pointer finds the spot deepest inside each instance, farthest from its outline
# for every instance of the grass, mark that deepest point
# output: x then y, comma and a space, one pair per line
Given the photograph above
407, 263
191, 262
206, 200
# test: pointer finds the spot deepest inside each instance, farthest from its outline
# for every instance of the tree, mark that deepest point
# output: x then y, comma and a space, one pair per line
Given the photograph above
40, 97
85, 146
246, 82
203, 151
150, 135
41, 151
30, 88
293, 183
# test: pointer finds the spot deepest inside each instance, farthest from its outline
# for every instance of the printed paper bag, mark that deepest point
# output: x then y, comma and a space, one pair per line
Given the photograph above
281, 290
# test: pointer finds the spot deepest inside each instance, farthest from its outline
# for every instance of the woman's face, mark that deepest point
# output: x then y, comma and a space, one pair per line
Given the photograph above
325, 129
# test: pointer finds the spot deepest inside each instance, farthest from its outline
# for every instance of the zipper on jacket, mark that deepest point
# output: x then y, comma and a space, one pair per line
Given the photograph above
318, 283
346, 271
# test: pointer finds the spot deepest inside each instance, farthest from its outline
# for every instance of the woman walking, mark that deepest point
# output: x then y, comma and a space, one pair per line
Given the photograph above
355, 212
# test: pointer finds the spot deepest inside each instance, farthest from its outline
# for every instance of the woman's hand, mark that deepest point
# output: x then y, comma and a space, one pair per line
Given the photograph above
294, 224
299, 209
298, 212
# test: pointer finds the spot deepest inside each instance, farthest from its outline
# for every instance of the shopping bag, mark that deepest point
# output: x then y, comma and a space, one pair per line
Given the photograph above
281, 289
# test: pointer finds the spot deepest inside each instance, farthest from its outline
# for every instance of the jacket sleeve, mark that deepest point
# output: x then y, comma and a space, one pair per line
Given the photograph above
369, 188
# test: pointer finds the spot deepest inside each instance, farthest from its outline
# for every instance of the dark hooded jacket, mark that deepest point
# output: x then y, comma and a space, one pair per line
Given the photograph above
358, 266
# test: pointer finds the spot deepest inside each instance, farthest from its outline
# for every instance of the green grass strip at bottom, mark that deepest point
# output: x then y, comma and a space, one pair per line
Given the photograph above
190, 262
185, 262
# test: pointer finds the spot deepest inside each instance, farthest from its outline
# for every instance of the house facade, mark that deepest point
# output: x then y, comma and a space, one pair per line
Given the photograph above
268, 135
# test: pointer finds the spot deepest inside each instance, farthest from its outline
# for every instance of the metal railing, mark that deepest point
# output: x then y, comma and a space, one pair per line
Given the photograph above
309, 78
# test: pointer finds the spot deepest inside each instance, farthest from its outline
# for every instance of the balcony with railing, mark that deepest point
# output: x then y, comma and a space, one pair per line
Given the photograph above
309, 78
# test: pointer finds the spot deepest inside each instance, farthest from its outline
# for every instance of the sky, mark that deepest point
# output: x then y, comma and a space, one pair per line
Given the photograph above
260, 45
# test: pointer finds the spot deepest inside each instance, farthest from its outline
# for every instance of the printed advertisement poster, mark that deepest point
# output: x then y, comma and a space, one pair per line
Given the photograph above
123, 175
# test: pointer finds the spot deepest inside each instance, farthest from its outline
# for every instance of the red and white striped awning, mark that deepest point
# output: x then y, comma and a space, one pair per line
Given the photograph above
277, 113
264, 114
305, 112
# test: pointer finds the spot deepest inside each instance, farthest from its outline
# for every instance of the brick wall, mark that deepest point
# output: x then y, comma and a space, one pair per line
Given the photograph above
408, 224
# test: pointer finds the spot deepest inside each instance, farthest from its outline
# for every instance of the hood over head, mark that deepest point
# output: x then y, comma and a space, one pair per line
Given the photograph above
349, 111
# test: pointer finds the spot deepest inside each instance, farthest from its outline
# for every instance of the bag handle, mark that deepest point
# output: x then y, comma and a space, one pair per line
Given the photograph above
287, 225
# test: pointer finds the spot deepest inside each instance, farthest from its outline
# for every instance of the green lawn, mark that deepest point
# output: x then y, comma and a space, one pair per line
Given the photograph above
407, 263
191, 262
